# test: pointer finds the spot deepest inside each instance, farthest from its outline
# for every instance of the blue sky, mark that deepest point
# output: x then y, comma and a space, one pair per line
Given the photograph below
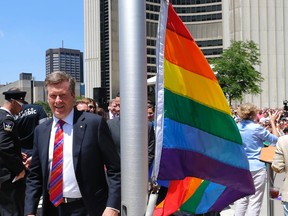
28, 28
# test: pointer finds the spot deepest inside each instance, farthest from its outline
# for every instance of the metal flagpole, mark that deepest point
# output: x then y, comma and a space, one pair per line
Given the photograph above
133, 94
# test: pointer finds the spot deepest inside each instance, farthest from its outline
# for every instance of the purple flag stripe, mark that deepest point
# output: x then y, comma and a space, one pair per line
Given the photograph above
183, 163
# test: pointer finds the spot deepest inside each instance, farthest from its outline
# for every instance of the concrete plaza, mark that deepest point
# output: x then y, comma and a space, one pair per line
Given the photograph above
267, 203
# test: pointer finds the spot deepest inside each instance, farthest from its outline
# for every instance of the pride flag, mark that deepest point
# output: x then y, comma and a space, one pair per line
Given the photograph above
198, 145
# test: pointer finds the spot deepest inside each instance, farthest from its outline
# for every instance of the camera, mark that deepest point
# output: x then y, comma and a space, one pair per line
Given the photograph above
285, 108
285, 102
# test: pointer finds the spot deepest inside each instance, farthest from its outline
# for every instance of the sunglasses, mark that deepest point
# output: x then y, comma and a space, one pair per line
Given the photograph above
91, 107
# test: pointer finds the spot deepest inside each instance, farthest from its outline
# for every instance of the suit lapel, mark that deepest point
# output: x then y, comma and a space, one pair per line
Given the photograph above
45, 135
79, 127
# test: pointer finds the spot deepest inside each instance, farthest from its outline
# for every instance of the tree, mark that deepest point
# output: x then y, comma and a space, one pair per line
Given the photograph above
235, 70
45, 106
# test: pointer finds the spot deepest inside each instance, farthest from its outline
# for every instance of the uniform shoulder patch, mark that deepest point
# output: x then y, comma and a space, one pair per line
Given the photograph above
8, 125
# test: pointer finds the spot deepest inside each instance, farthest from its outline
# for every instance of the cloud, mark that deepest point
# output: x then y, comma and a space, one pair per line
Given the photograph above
1, 34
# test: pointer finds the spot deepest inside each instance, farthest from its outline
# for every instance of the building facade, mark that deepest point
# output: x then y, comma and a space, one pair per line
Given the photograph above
212, 23
102, 45
266, 23
35, 90
68, 60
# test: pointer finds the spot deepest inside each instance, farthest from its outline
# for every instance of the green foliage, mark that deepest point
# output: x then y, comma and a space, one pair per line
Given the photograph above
78, 98
45, 106
236, 71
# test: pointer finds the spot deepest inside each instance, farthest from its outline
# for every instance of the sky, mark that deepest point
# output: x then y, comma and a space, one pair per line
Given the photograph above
28, 28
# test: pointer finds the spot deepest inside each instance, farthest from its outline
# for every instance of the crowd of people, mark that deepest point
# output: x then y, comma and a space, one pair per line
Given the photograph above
262, 118
254, 135
83, 176
260, 128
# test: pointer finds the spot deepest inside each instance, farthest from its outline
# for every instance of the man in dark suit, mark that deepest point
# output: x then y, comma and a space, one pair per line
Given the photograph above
12, 169
114, 126
87, 147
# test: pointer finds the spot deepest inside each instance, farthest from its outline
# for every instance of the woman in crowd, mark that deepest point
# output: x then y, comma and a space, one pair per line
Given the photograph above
253, 136
92, 106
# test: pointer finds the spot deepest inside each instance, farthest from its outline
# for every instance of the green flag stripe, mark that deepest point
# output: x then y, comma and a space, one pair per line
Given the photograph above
189, 112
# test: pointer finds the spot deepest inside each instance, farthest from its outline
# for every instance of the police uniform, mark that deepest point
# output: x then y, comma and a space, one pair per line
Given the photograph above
11, 192
30, 116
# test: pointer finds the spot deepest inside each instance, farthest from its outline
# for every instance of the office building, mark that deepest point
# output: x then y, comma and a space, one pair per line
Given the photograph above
68, 60
35, 91
101, 40
266, 23
212, 23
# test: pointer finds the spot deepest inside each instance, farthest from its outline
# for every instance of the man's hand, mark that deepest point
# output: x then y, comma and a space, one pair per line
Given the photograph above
20, 175
24, 156
28, 162
110, 212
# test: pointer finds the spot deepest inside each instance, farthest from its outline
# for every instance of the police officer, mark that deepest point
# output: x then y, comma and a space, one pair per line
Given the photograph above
12, 168
26, 121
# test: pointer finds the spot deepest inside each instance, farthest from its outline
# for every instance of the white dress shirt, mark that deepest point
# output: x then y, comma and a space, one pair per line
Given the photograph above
70, 186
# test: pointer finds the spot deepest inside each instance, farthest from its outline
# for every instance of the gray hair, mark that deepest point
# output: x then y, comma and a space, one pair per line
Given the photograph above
59, 77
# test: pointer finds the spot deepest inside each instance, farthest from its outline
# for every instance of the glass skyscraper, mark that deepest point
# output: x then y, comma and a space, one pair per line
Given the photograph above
68, 60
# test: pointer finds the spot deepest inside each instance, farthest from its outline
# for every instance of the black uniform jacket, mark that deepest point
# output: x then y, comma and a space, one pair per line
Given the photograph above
10, 150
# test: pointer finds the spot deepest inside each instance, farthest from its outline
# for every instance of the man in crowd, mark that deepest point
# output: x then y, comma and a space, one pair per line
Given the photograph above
82, 106
114, 126
12, 168
112, 109
69, 155
150, 112
26, 121
117, 103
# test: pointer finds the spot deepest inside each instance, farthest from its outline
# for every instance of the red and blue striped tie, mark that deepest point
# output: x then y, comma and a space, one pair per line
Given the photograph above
56, 177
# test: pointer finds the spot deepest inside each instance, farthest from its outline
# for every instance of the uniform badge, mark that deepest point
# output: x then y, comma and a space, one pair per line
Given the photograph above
8, 125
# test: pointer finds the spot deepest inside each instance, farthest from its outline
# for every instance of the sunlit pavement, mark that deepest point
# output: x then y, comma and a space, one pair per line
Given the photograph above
277, 206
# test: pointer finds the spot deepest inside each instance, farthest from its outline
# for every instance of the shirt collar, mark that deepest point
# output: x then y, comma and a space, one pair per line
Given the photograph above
68, 119
3, 108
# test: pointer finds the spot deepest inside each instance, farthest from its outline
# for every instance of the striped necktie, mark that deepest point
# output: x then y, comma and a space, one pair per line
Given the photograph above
56, 177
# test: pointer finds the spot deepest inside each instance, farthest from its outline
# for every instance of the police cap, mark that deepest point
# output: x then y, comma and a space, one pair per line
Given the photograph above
16, 94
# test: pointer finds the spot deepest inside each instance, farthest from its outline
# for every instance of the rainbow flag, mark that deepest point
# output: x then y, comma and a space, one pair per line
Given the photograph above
198, 145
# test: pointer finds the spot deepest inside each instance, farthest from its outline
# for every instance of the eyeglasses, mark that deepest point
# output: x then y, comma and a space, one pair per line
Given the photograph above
91, 107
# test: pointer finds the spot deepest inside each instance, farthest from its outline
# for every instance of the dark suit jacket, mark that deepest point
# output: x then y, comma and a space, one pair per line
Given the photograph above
93, 148
114, 126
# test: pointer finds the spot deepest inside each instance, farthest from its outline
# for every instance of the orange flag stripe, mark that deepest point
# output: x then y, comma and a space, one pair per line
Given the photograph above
185, 53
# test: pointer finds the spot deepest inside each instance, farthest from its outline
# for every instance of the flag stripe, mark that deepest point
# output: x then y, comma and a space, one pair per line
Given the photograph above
186, 54
200, 89
214, 190
192, 113
193, 139
194, 200
197, 138
182, 163
192, 186
174, 23
176, 194
223, 200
